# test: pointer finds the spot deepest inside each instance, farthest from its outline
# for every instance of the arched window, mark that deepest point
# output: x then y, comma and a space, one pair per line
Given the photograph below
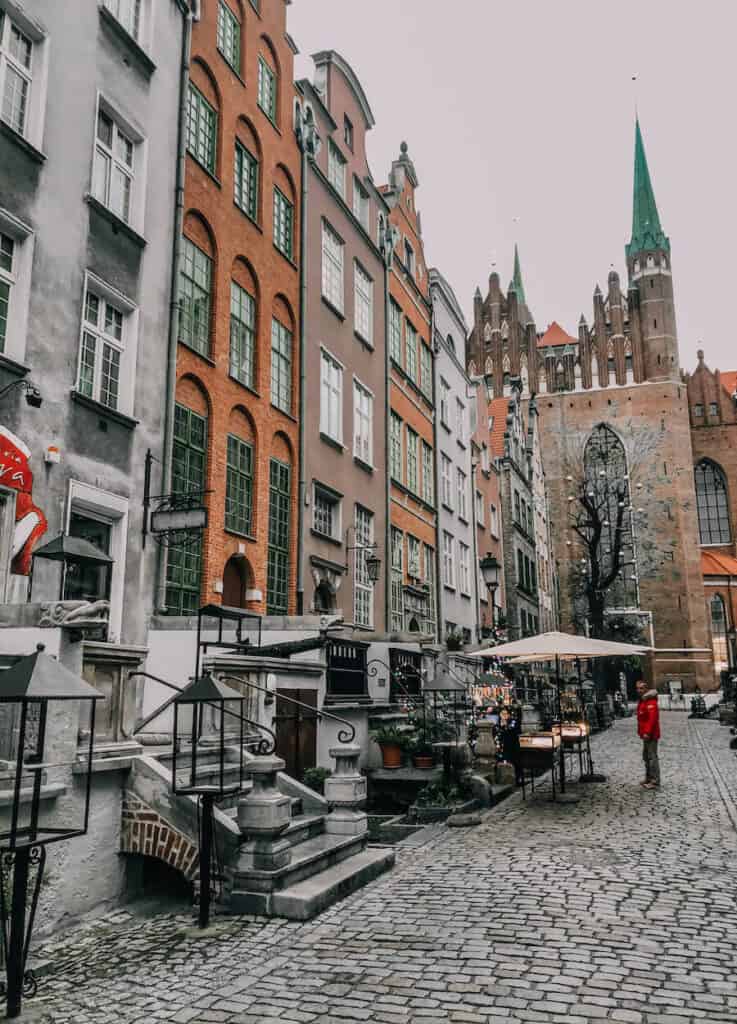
711, 503
608, 490
718, 619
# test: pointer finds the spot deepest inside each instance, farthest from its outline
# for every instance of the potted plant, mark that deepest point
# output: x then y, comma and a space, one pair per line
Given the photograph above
392, 742
422, 753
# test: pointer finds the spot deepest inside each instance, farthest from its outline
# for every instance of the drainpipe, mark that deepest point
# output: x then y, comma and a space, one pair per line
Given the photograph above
436, 461
171, 357
302, 375
387, 420
474, 471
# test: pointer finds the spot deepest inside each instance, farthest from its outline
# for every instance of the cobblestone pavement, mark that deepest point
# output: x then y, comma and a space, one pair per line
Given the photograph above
618, 908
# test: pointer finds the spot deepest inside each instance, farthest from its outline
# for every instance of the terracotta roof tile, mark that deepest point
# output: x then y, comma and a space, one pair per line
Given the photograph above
498, 410
729, 381
555, 335
713, 563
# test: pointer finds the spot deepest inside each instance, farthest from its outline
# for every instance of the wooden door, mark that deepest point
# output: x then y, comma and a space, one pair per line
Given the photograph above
296, 731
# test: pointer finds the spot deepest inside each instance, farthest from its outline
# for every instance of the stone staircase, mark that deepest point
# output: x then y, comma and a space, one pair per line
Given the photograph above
285, 851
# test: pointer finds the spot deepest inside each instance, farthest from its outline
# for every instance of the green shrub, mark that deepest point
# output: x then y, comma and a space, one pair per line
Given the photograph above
315, 778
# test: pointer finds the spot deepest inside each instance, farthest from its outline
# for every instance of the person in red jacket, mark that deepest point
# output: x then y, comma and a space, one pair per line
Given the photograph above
648, 729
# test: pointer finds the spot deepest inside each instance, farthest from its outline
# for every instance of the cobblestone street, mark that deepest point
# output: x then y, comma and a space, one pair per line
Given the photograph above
619, 908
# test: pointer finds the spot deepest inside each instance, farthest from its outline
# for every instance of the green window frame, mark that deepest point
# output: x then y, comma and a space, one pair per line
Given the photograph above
277, 562
425, 370
281, 366
412, 460
184, 564
245, 180
395, 447
283, 223
395, 332
428, 480
202, 129
239, 486
266, 95
195, 290
410, 345
229, 36
242, 334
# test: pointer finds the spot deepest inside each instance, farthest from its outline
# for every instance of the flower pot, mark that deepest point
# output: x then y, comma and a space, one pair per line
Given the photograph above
391, 754
423, 760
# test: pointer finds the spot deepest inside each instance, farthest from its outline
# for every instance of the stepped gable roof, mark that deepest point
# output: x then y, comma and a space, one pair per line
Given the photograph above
713, 563
555, 335
498, 408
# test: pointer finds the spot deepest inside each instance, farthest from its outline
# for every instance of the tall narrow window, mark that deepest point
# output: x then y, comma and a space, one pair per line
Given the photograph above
395, 447
326, 512
101, 350
283, 224
711, 503
195, 282
428, 563
360, 203
409, 257
336, 169
425, 371
16, 74
363, 423
246, 181
363, 312
242, 334
239, 486
363, 588
184, 564
397, 580
229, 36
128, 13
348, 132
277, 567
410, 345
719, 634
112, 179
281, 366
412, 460
460, 421
331, 397
413, 557
7, 280
267, 89
332, 267
202, 128
464, 568
444, 403
446, 481
428, 481
395, 332
461, 494
449, 578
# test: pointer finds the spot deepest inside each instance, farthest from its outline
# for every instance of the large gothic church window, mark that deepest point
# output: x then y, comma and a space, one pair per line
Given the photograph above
607, 480
711, 503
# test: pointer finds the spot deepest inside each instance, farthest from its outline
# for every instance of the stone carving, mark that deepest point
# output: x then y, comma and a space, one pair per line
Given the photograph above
74, 613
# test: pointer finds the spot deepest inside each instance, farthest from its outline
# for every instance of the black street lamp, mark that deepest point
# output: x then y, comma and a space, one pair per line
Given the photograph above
491, 574
208, 724
29, 692
371, 560
33, 393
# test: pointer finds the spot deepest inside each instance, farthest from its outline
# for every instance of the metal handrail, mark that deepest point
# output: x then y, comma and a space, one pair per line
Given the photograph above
264, 746
413, 697
343, 736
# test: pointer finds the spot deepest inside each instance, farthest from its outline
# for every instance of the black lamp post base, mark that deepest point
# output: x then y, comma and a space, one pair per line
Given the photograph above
566, 798
593, 777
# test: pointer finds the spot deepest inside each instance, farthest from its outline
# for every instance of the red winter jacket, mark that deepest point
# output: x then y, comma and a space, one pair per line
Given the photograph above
648, 716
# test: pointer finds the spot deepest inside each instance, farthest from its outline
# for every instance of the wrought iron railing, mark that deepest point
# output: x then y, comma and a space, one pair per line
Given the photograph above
346, 735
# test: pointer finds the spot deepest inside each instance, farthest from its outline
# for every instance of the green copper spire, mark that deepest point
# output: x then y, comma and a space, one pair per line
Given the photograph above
517, 278
647, 234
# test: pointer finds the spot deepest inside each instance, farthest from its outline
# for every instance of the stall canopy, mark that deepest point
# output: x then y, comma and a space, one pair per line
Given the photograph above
563, 646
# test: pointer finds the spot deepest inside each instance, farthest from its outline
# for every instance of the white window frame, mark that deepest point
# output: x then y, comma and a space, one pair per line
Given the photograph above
140, 161
361, 205
362, 585
446, 481
333, 252
484, 458
464, 568
494, 520
331, 396
113, 509
336, 168
461, 493
36, 76
448, 561
363, 303
363, 422
480, 509
127, 346
428, 473
444, 396
414, 550
460, 421
19, 279
319, 491
114, 6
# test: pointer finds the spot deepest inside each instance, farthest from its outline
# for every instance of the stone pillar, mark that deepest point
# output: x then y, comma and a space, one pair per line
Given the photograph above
262, 817
485, 744
345, 791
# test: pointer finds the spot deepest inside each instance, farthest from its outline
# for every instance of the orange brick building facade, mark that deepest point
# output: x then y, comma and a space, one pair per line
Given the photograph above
236, 419
412, 485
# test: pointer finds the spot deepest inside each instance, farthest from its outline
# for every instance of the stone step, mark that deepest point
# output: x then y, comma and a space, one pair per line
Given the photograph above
253, 889
306, 899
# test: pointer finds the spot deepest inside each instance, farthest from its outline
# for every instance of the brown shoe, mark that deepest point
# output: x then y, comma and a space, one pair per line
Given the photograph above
645, 782
650, 785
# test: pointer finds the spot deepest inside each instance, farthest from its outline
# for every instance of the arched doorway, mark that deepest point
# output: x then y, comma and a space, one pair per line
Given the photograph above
235, 582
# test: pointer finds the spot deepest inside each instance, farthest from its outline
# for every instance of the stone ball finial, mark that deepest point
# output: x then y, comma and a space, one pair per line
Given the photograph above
40, 647
403, 148
700, 355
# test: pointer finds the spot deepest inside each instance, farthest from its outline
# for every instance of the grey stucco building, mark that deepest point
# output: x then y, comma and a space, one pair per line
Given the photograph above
456, 399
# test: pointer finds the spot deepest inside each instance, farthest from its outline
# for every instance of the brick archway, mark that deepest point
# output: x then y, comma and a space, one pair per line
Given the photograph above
146, 832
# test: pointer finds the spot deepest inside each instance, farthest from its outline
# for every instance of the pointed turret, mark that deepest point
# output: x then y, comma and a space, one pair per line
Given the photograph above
517, 279
647, 233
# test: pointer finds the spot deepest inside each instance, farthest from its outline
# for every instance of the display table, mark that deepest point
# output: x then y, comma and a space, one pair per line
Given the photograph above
538, 753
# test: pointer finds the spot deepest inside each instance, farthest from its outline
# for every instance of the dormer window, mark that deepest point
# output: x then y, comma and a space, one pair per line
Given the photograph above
348, 132
698, 409
713, 409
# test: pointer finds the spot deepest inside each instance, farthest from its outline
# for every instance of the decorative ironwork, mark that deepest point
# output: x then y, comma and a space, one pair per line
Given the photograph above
178, 519
14, 892
346, 670
346, 735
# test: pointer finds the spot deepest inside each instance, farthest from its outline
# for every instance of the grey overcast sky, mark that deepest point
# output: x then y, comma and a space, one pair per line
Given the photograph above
519, 115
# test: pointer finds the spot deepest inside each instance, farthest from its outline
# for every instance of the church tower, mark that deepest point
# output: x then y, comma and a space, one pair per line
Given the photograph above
650, 280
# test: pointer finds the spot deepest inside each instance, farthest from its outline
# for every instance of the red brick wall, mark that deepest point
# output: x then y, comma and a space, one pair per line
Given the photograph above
146, 832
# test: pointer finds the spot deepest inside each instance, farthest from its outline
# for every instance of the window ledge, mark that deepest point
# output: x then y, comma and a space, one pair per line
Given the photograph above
254, 223
118, 225
237, 380
448, 508
326, 537
22, 143
13, 367
365, 466
206, 170
333, 308
196, 351
284, 412
447, 586
462, 519
284, 256
230, 67
239, 533
111, 414
445, 426
124, 37
269, 119
332, 442
364, 341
